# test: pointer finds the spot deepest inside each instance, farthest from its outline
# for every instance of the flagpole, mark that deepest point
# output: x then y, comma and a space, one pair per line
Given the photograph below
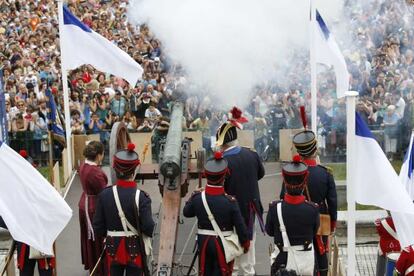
3, 113
350, 192
313, 67
52, 181
65, 90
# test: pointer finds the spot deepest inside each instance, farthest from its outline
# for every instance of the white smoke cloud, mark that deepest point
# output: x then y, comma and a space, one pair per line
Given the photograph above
230, 46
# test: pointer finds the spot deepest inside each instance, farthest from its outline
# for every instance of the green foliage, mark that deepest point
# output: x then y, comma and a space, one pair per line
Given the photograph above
338, 170
45, 171
359, 207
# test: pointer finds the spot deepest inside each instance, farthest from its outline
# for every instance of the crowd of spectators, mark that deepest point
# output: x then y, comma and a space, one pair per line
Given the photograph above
379, 55
380, 62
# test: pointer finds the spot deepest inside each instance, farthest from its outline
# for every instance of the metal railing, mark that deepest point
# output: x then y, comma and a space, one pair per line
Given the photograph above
37, 149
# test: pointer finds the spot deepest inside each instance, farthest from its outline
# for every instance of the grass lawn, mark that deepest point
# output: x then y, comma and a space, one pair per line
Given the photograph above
339, 169
45, 171
359, 207
339, 172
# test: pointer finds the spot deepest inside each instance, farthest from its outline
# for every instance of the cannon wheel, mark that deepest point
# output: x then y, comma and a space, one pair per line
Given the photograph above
119, 140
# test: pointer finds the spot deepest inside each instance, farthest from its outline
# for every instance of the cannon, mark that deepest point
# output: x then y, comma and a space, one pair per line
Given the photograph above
173, 150
173, 171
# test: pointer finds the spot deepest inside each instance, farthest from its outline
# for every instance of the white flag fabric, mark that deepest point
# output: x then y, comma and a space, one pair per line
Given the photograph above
32, 209
327, 52
404, 223
376, 182
81, 45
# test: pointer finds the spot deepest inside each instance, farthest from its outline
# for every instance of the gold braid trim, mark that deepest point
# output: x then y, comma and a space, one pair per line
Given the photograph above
220, 140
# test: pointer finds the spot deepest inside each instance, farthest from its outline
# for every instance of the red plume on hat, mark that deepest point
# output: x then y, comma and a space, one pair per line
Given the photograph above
236, 118
303, 116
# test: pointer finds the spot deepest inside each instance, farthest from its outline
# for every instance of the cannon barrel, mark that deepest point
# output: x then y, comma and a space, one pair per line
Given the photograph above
171, 162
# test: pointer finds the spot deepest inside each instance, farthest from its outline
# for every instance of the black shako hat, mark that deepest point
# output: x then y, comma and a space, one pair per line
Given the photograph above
227, 132
295, 174
126, 161
305, 141
216, 169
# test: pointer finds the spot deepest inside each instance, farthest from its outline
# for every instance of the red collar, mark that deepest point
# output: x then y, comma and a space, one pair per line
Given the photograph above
126, 184
291, 199
214, 190
310, 162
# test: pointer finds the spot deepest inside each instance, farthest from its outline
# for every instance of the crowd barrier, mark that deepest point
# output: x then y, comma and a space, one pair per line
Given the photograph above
286, 149
334, 142
143, 141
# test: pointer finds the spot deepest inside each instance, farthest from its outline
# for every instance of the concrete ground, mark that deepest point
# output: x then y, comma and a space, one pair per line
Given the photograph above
68, 243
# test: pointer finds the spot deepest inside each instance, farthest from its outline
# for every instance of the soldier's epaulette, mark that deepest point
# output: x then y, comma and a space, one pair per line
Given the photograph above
251, 149
313, 204
230, 197
328, 169
274, 202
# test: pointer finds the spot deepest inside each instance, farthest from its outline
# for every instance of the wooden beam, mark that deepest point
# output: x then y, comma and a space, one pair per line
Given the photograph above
171, 203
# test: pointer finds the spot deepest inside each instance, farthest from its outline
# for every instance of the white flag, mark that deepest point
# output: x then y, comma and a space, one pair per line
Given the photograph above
32, 209
376, 182
404, 223
327, 52
81, 45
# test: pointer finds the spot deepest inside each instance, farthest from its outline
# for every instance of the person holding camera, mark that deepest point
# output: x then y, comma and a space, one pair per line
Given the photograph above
118, 104
143, 103
146, 126
76, 122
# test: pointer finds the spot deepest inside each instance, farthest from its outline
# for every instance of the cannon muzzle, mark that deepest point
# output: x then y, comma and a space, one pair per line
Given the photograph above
171, 161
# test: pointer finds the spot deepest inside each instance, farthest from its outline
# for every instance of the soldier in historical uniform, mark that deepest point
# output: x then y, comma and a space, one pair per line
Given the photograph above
405, 263
300, 217
122, 220
245, 170
226, 212
321, 189
388, 242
